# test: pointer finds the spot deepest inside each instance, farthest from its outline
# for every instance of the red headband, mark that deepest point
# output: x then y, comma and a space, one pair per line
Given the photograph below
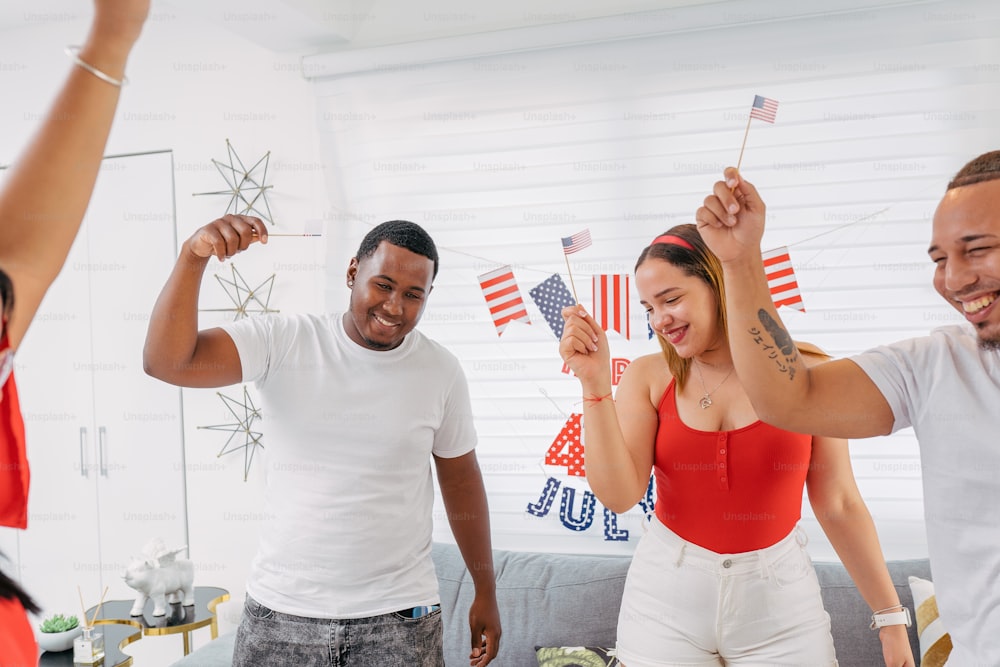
675, 240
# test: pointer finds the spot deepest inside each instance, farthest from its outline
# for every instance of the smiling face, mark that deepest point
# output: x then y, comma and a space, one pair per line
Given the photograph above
388, 292
681, 307
965, 247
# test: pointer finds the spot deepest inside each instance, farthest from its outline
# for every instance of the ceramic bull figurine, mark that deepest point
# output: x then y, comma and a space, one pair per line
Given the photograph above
160, 575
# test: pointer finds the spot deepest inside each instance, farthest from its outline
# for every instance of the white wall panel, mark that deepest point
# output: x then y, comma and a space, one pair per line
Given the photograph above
499, 156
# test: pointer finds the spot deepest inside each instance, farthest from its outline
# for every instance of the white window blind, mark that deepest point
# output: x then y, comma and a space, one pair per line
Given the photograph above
500, 156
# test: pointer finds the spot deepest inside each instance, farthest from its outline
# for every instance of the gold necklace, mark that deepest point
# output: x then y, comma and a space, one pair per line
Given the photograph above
706, 400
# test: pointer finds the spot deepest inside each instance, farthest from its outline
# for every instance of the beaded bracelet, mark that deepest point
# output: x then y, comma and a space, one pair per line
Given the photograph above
72, 51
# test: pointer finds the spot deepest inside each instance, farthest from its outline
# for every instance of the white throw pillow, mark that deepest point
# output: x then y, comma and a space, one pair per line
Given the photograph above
935, 642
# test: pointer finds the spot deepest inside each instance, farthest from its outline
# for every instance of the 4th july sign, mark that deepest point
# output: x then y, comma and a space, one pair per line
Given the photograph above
578, 507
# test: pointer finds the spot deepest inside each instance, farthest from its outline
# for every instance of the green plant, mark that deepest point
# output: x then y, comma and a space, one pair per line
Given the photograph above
59, 623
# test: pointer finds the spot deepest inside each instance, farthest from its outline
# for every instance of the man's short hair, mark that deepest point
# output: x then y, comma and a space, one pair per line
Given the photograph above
402, 233
986, 167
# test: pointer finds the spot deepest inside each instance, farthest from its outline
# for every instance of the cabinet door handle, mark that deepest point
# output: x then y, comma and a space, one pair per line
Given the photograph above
102, 435
83, 451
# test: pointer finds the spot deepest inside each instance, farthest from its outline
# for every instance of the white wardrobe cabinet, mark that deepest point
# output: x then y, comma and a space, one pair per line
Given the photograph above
105, 441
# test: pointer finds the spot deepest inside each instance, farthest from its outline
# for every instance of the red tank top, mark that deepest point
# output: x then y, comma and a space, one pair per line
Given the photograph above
14, 474
17, 639
728, 491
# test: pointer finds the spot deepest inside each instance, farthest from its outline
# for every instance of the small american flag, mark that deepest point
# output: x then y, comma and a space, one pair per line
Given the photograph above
764, 108
578, 241
611, 297
781, 279
551, 296
503, 298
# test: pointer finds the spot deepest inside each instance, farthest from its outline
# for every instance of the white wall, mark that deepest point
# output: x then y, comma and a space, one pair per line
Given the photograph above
191, 88
500, 145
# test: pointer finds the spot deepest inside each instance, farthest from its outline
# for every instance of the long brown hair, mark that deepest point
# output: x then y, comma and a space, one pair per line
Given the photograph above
698, 262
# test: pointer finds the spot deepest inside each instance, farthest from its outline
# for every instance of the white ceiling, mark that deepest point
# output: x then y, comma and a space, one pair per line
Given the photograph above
309, 26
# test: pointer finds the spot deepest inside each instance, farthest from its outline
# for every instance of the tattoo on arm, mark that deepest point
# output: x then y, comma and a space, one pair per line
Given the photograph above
782, 340
778, 333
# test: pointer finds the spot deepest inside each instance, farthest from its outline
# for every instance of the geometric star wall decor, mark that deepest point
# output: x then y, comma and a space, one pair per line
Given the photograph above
246, 413
243, 296
247, 192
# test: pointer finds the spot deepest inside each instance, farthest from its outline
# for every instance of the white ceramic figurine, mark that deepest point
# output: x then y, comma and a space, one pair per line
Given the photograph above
160, 575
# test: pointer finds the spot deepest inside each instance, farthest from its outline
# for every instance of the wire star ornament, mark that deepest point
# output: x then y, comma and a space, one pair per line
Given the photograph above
247, 193
246, 300
245, 413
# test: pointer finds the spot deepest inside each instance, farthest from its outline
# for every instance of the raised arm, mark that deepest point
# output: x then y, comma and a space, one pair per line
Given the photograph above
845, 519
619, 433
835, 398
465, 503
48, 189
176, 351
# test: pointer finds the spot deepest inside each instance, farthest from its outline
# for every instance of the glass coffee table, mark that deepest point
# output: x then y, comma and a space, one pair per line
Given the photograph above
120, 628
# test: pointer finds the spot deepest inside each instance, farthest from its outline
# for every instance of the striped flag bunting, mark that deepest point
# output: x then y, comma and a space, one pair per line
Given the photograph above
611, 302
781, 279
764, 108
503, 298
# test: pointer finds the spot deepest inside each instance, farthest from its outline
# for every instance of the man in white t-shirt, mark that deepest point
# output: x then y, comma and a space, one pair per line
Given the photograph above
358, 404
945, 385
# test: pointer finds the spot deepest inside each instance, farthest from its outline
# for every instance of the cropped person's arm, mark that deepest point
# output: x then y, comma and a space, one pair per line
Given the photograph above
844, 517
837, 398
47, 191
175, 350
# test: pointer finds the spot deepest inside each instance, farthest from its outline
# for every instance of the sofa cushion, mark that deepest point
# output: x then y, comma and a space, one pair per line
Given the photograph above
545, 600
850, 615
216, 653
935, 642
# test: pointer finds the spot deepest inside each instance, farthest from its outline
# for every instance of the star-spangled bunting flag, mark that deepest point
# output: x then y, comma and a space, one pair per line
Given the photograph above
781, 279
611, 297
764, 108
503, 298
577, 242
551, 296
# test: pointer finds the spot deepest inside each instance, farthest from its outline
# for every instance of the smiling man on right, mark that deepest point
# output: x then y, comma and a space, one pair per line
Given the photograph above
946, 385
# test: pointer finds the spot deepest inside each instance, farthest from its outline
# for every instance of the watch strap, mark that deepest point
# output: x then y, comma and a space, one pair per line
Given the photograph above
901, 617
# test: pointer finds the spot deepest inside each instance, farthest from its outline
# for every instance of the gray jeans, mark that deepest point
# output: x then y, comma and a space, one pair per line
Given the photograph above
268, 638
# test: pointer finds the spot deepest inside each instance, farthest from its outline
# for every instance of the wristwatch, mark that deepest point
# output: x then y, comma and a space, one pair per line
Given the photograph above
894, 618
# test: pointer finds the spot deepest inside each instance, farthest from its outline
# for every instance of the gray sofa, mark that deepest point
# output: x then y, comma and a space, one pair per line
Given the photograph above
573, 600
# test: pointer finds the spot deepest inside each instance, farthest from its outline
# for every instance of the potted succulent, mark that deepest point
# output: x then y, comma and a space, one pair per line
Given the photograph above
58, 632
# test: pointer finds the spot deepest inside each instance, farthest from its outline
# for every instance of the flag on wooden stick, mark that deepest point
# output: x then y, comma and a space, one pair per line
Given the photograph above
572, 244
763, 108
576, 242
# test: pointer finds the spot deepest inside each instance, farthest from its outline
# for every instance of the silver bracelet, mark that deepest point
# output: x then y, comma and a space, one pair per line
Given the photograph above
72, 51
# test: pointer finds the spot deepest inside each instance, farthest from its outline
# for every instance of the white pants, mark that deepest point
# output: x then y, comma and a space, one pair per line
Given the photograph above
686, 605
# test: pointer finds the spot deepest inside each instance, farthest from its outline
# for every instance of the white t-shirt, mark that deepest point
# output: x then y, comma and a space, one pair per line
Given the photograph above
348, 434
948, 389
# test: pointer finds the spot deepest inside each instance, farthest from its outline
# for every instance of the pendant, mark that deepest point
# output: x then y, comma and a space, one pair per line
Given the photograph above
705, 402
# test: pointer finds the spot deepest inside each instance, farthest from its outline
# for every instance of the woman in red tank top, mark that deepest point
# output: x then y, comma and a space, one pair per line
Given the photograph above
721, 573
